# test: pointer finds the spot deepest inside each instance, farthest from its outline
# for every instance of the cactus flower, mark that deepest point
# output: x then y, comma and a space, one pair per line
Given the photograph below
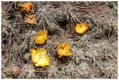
30, 19
39, 57
25, 6
81, 28
41, 37
63, 49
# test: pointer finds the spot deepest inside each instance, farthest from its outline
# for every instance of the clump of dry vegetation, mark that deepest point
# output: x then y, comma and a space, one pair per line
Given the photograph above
94, 54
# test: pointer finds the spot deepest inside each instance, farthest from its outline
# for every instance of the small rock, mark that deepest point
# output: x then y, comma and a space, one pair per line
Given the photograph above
15, 71
5, 71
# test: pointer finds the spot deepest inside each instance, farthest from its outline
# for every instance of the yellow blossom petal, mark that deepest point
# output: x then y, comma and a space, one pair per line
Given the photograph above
25, 6
63, 49
40, 57
31, 19
43, 61
41, 37
81, 28
35, 55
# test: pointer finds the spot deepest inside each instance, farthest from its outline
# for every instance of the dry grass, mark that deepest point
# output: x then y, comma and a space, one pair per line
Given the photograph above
94, 53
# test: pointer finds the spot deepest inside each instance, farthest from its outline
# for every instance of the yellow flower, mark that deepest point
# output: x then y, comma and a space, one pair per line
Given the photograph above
81, 28
30, 19
63, 49
40, 37
25, 6
39, 57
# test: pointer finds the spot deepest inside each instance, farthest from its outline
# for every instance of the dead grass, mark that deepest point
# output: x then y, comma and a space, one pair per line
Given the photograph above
94, 53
